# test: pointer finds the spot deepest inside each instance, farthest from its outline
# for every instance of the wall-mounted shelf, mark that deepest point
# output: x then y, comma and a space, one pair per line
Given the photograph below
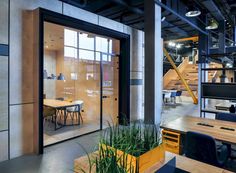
220, 91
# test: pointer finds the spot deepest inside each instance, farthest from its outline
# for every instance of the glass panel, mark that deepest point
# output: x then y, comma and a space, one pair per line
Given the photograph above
70, 52
70, 38
98, 56
86, 55
101, 44
110, 91
71, 76
86, 41
104, 57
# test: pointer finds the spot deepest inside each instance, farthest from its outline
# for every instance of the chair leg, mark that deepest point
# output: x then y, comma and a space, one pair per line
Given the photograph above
81, 118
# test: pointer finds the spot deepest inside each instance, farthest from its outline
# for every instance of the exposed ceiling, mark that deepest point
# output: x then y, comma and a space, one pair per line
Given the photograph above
131, 12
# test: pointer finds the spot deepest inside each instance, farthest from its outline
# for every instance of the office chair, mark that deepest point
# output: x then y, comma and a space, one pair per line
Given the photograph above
227, 117
202, 147
178, 94
74, 111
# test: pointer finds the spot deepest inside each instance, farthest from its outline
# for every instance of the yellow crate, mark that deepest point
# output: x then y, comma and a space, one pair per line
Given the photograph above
144, 161
171, 141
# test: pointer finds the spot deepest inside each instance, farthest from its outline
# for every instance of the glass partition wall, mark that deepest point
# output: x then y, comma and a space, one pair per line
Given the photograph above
81, 74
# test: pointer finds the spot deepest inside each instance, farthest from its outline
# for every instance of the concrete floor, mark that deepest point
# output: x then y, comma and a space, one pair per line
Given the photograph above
59, 158
56, 159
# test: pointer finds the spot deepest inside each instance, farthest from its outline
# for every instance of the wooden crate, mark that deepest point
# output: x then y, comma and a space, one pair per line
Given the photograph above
171, 141
144, 161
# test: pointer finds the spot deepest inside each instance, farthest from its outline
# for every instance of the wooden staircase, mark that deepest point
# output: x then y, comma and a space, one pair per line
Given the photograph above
190, 74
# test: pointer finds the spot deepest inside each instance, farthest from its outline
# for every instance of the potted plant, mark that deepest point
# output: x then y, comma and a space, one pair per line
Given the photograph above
140, 143
127, 149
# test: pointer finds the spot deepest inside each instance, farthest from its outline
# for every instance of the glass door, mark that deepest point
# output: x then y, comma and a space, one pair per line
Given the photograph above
110, 85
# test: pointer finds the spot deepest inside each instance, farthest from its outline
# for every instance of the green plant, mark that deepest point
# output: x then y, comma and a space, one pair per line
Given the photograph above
106, 161
109, 161
135, 139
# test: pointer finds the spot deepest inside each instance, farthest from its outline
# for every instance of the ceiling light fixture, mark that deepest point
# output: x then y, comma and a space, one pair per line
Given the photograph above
212, 25
163, 19
178, 46
171, 44
192, 12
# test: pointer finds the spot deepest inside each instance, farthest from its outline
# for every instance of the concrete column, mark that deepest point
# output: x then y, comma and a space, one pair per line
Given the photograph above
153, 62
136, 76
4, 78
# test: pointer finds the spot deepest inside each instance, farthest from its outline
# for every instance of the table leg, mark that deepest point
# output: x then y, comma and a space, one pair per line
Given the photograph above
65, 117
78, 116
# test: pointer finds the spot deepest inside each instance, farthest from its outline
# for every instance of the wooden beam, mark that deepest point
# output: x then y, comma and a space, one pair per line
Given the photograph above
194, 39
195, 100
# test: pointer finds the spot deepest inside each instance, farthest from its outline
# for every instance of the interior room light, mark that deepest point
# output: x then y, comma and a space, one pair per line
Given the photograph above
163, 19
171, 44
229, 65
178, 46
212, 25
193, 12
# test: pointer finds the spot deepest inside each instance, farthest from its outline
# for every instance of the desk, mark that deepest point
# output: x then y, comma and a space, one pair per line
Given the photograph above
188, 123
182, 162
60, 107
187, 164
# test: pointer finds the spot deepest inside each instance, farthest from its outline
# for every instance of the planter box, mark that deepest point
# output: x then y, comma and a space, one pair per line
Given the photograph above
144, 161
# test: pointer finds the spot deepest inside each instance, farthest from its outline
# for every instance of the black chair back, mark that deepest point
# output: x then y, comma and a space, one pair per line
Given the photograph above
226, 117
178, 93
201, 147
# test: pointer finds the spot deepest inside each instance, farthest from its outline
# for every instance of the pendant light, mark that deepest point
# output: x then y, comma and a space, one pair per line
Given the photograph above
192, 12
212, 24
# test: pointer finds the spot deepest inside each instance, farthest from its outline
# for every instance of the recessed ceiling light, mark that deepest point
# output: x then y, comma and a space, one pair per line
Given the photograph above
46, 46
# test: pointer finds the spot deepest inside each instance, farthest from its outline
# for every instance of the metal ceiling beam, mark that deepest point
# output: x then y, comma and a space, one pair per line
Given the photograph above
213, 9
130, 8
181, 17
175, 28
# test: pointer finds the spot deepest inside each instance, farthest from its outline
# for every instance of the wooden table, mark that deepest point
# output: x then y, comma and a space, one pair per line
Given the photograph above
188, 123
182, 162
60, 107
187, 164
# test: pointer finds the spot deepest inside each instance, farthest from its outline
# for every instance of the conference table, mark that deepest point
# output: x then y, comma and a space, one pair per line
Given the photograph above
224, 131
60, 107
